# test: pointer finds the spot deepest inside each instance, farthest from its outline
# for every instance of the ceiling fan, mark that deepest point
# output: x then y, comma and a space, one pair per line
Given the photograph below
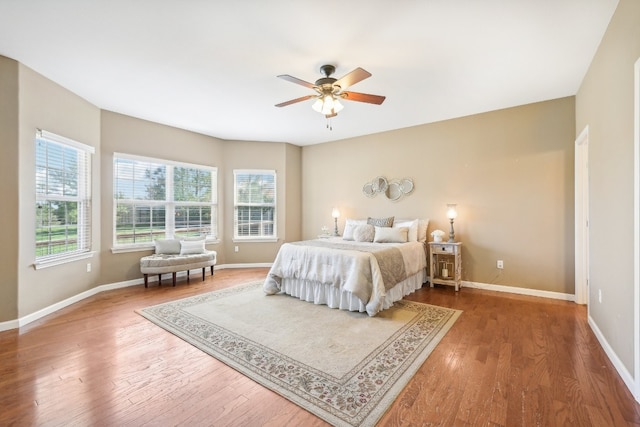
329, 91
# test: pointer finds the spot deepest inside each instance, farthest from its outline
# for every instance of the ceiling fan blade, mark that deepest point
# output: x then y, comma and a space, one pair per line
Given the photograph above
352, 78
296, 80
293, 101
363, 97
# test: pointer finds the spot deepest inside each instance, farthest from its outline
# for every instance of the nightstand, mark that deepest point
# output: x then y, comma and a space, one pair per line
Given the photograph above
445, 263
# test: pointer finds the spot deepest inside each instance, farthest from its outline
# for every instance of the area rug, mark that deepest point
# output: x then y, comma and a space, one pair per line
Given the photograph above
347, 368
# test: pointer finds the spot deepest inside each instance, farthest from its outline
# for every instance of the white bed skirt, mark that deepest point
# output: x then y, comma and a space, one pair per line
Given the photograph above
319, 293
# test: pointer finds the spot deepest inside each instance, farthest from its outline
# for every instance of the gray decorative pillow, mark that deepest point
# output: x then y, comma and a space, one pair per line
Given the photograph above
381, 222
364, 233
167, 246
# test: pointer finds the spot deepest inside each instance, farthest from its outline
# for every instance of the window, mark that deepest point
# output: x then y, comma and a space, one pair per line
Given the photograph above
63, 198
254, 205
157, 199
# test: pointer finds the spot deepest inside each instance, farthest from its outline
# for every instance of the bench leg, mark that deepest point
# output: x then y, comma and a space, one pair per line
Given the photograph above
146, 280
187, 275
212, 270
203, 273
159, 279
174, 278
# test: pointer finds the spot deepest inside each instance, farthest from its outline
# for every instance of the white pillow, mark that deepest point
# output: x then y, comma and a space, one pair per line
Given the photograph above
364, 233
423, 224
412, 225
391, 235
167, 246
350, 226
191, 247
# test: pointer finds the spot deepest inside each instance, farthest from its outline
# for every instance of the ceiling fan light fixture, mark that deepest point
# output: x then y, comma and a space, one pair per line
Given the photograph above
327, 105
329, 91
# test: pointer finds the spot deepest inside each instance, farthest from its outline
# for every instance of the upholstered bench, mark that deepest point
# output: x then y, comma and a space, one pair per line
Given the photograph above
173, 255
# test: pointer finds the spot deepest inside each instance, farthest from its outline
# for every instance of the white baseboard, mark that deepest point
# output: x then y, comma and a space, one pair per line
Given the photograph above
613, 357
520, 291
9, 324
25, 320
254, 265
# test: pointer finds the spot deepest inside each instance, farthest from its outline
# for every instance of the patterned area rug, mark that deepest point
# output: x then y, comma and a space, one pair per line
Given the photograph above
346, 368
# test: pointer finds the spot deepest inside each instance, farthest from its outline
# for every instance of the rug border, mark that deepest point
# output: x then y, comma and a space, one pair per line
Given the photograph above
369, 420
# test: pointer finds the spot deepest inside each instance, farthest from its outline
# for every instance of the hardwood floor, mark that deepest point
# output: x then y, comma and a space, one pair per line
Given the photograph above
508, 361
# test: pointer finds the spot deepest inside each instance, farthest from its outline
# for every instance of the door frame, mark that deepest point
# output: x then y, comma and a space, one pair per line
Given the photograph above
636, 229
581, 199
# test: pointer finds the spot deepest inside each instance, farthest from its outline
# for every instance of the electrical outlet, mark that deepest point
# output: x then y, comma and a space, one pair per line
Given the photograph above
500, 264
88, 267
236, 249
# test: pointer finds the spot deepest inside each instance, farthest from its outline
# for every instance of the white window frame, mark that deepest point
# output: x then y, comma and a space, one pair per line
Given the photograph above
82, 197
169, 203
259, 238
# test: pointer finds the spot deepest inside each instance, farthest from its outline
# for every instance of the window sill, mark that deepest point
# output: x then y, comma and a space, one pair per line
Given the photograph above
125, 249
147, 247
39, 265
255, 240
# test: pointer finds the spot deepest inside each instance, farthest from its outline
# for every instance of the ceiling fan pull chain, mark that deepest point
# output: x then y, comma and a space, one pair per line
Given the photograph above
329, 126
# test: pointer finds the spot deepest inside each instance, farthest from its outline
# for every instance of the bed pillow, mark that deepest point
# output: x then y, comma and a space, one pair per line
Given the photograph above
191, 247
412, 225
391, 235
423, 224
381, 222
364, 233
167, 246
349, 227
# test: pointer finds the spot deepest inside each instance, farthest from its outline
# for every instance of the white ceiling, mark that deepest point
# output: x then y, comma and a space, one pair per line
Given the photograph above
210, 66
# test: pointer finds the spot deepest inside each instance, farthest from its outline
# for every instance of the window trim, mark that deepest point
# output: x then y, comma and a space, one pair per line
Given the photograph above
87, 190
145, 246
256, 239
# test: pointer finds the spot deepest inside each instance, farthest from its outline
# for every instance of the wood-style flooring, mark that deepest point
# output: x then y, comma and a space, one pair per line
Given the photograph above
508, 361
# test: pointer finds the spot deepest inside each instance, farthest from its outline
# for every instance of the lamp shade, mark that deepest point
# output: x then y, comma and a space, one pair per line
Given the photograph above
452, 212
337, 105
335, 213
317, 106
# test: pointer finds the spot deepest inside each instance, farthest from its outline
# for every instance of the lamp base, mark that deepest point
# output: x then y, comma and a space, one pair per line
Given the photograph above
452, 235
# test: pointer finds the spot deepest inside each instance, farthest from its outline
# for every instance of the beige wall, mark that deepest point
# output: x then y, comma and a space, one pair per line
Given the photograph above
9, 173
509, 171
285, 160
46, 105
129, 135
605, 103
125, 134
292, 198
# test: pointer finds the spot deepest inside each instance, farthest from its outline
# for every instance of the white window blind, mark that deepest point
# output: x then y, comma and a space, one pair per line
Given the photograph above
254, 204
63, 197
157, 199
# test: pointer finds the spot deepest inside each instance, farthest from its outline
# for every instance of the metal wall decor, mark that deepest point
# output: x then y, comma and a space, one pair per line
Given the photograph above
393, 189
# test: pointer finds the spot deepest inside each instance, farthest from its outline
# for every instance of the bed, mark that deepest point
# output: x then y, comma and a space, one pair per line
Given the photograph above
366, 270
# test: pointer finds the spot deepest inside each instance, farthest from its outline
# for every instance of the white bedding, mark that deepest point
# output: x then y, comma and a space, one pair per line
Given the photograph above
346, 274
